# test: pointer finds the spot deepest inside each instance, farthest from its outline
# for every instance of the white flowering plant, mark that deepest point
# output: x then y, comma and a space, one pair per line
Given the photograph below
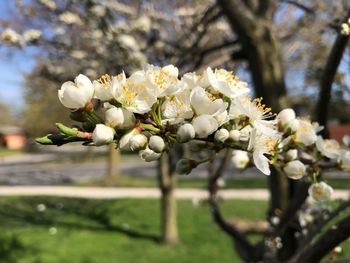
152, 109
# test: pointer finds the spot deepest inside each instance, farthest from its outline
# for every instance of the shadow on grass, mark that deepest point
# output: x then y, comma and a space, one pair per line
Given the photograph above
81, 214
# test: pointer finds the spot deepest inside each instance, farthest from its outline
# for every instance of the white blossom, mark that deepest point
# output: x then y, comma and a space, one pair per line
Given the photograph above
221, 135
175, 109
133, 93
185, 133
165, 79
292, 154
138, 142
75, 95
11, 37
148, 155
305, 133
50, 4
224, 82
119, 118
32, 35
320, 191
204, 125
295, 169
328, 148
124, 142
286, 116
156, 143
104, 87
240, 159
70, 18
102, 135
234, 135
344, 160
204, 103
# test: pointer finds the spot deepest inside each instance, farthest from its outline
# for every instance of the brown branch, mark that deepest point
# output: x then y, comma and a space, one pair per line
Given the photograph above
330, 239
299, 5
246, 250
307, 241
328, 76
293, 207
205, 52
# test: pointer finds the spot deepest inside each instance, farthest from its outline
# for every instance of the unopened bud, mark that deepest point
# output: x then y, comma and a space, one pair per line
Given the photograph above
240, 159
138, 142
291, 154
221, 135
234, 135
102, 135
185, 166
185, 133
285, 116
148, 155
156, 143
295, 169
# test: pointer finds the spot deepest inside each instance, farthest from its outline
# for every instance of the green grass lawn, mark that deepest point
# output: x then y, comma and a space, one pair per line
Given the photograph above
112, 231
100, 231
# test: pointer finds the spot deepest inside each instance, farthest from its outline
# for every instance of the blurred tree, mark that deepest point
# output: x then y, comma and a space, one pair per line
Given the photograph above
7, 117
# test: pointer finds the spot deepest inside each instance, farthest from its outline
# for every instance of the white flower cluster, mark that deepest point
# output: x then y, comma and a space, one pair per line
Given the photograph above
154, 108
11, 37
345, 28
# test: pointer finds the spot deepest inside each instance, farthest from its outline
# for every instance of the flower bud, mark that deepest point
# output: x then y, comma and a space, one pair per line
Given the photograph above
240, 159
344, 160
346, 140
185, 133
234, 135
138, 142
156, 143
102, 135
295, 169
185, 166
285, 116
204, 125
75, 95
148, 155
221, 135
291, 154
124, 142
320, 191
120, 118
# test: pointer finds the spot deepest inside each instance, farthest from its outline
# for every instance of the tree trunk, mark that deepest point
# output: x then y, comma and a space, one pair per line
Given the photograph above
113, 173
167, 183
260, 48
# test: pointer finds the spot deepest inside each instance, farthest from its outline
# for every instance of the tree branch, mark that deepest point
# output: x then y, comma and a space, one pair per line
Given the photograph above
328, 76
299, 5
246, 250
307, 241
205, 52
331, 238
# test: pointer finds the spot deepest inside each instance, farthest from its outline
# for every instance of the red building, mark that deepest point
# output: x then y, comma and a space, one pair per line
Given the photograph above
337, 131
12, 137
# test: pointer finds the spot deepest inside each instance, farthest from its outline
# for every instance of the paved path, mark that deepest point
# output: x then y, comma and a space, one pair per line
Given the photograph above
112, 193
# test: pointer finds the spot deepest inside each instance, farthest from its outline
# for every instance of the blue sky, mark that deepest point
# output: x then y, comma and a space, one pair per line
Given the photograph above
12, 69
13, 64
